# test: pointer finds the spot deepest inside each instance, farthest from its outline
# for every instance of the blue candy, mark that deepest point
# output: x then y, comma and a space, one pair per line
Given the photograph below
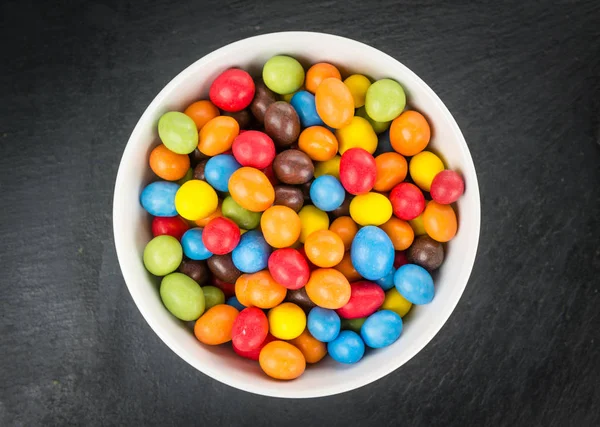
158, 198
252, 253
384, 145
219, 169
193, 246
327, 193
234, 302
348, 347
387, 281
304, 104
372, 253
381, 329
323, 324
414, 283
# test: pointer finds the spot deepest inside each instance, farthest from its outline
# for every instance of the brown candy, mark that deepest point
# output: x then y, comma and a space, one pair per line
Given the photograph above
196, 157
243, 117
344, 209
199, 170
293, 167
300, 298
282, 123
222, 267
426, 252
306, 190
196, 270
263, 98
286, 195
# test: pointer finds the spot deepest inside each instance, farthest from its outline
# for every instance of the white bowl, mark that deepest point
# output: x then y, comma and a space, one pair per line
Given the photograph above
132, 224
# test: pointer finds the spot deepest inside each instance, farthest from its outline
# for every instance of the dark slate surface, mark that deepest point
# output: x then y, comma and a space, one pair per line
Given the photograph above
522, 347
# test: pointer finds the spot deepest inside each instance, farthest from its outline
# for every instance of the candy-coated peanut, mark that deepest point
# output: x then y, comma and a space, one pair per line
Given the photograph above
410, 133
365, 299
358, 85
426, 252
195, 200
312, 219
440, 221
173, 226
250, 329
167, 164
259, 290
323, 324
280, 226
216, 214
407, 201
214, 327
216, 137
358, 133
221, 236
312, 349
370, 209
319, 72
347, 269
182, 296
289, 268
358, 171
232, 90
381, 329
253, 354
282, 361
395, 302
253, 148
447, 187
327, 193
348, 347
252, 252
244, 218
201, 112
212, 296
251, 189
372, 253
286, 321
400, 232
305, 105
391, 171
324, 248
378, 127
158, 198
335, 104
414, 283
283, 74
162, 255
178, 132
193, 245
385, 100
346, 228
328, 288
319, 143
328, 167
424, 167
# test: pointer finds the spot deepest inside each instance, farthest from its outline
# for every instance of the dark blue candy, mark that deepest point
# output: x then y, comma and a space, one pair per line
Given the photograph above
192, 244
372, 253
234, 302
304, 104
348, 347
323, 324
381, 329
252, 253
327, 193
158, 198
219, 169
414, 283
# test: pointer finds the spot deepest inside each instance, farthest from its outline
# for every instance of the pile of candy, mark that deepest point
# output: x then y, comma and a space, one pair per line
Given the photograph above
277, 229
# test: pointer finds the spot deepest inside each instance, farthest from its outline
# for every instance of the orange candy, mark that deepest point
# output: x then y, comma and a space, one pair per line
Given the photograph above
335, 104
440, 221
400, 233
347, 269
312, 349
328, 288
281, 360
167, 164
214, 326
280, 226
216, 214
251, 189
324, 248
201, 112
259, 290
391, 171
319, 143
319, 72
217, 135
346, 228
409, 133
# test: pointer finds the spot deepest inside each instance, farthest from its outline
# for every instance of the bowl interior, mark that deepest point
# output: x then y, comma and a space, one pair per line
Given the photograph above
132, 223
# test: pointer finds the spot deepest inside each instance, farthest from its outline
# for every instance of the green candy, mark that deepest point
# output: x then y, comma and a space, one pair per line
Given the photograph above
283, 74
162, 255
213, 296
189, 175
385, 100
182, 296
244, 218
178, 132
378, 127
353, 324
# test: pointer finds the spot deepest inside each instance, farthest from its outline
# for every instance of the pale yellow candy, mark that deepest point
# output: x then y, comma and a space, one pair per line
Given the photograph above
328, 167
312, 219
358, 85
370, 209
359, 133
424, 167
395, 302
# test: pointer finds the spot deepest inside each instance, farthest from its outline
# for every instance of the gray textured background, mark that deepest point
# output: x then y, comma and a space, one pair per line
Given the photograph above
522, 347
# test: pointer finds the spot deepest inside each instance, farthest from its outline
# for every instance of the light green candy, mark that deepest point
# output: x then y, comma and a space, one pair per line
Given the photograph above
244, 218
378, 127
353, 324
178, 132
283, 74
182, 296
162, 255
213, 296
385, 100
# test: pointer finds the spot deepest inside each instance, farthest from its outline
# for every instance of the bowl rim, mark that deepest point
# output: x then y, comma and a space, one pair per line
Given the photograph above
216, 374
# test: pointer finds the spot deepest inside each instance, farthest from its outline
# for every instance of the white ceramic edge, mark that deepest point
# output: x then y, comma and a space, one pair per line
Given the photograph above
426, 337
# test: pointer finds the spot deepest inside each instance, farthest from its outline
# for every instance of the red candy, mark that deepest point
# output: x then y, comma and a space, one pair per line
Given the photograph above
254, 354
254, 148
270, 174
407, 201
173, 226
289, 268
400, 259
249, 329
221, 235
233, 90
227, 288
358, 171
447, 187
365, 299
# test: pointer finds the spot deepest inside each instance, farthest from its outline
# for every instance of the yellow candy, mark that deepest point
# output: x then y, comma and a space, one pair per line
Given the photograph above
195, 200
312, 219
396, 302
328, 167
288, 97
358, 133
286, 321
358, 85
370, 209
417, 224
424, 167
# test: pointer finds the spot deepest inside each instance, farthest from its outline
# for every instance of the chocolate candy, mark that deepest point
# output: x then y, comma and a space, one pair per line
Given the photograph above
300, 298
196, 157
426, 252
243, 117
343, 210
293, 167
306, 191
223, 269
292, 197
199, 170
196, 270
263, 98
282, 124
